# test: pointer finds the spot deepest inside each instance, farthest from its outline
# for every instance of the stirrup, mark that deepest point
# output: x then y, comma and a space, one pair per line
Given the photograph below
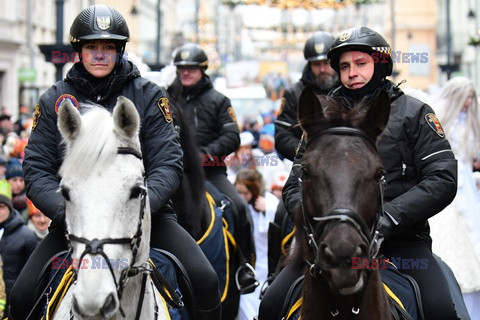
245, 279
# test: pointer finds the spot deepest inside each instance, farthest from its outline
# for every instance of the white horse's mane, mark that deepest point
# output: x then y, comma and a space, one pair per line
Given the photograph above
95, 146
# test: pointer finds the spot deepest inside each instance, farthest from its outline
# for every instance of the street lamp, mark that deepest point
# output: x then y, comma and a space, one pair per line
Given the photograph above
50, 51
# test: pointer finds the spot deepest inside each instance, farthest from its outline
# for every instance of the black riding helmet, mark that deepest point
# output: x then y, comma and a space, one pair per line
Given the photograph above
191, 54
362, 39
99, 22
317, 46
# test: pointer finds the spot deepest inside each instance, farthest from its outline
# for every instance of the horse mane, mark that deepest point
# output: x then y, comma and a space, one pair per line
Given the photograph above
95, 147
337, 111
194, 176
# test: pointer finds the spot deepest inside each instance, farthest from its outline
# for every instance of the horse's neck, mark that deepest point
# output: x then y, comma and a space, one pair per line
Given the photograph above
373, 302
189, 202
192, 209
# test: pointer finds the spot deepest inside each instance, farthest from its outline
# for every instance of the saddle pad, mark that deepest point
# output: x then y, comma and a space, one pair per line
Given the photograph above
217, 252
65, 278
400, 292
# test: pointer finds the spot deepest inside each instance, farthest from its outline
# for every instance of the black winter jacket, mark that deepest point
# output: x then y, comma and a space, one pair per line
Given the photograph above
421, 170
212, 116
162, 154
287, 131
17, 244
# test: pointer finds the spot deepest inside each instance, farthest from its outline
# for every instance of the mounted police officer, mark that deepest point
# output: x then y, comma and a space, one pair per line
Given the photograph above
318, 74
211, 115
421, 170
99, 34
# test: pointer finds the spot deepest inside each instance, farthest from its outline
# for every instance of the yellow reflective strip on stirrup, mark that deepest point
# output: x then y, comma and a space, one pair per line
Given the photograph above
211, 202
393, 296
286, 240
227, 261
60, 292
294, 308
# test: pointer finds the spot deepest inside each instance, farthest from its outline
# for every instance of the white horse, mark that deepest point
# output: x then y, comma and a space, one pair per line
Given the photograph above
107, 215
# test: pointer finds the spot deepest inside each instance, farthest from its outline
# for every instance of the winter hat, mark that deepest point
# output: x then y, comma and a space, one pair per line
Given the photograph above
14, 169
31, 208
6, 194
246, 139
279, 180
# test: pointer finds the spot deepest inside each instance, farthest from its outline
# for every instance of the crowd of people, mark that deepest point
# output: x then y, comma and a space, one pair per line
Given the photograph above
256, 166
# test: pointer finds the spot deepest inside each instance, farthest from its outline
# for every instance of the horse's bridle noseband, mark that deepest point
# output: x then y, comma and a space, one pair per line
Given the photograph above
342, 215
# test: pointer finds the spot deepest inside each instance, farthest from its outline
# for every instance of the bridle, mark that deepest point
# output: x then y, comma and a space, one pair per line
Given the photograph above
342, 215
95, 246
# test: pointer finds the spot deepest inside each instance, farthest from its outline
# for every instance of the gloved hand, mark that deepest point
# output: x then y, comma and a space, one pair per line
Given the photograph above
59, 220
386, 225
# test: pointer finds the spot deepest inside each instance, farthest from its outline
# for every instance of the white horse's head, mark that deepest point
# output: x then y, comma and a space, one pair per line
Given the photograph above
106, 207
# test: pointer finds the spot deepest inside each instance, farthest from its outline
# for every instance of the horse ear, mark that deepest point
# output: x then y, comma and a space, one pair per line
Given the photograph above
69, 120
377, 115
125, 117
309, 107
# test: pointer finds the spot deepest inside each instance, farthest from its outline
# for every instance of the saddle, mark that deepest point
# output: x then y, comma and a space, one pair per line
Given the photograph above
168, 276
402, 290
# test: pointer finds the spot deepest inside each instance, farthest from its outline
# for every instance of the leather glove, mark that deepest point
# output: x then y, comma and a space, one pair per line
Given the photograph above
59, 220
386, 225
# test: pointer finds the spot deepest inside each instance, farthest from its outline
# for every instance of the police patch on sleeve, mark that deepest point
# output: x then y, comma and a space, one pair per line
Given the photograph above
433, 122
36, 116
164, 106
232, 114
72, 99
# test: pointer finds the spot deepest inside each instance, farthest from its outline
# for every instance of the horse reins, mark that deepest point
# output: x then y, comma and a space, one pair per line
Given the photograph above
342, 215
95, 246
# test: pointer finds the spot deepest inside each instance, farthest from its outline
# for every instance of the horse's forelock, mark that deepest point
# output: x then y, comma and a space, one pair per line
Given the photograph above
95, 146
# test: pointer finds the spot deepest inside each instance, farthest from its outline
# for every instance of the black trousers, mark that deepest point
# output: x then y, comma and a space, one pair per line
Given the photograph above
166, 234
436, 299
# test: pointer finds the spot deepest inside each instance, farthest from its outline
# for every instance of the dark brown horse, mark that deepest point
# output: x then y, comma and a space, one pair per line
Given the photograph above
341, 191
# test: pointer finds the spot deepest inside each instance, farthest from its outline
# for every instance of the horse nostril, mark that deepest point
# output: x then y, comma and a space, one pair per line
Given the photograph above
109, 307
358, 252
361, 250
328, 254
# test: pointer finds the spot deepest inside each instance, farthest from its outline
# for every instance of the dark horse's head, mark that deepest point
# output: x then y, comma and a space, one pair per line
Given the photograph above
341, 187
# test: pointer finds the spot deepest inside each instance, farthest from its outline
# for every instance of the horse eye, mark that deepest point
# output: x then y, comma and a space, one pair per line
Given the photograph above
305, 172
65, 193
136, 192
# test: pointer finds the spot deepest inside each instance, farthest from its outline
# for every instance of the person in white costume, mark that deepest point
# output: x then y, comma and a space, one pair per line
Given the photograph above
456, 230
250, 185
